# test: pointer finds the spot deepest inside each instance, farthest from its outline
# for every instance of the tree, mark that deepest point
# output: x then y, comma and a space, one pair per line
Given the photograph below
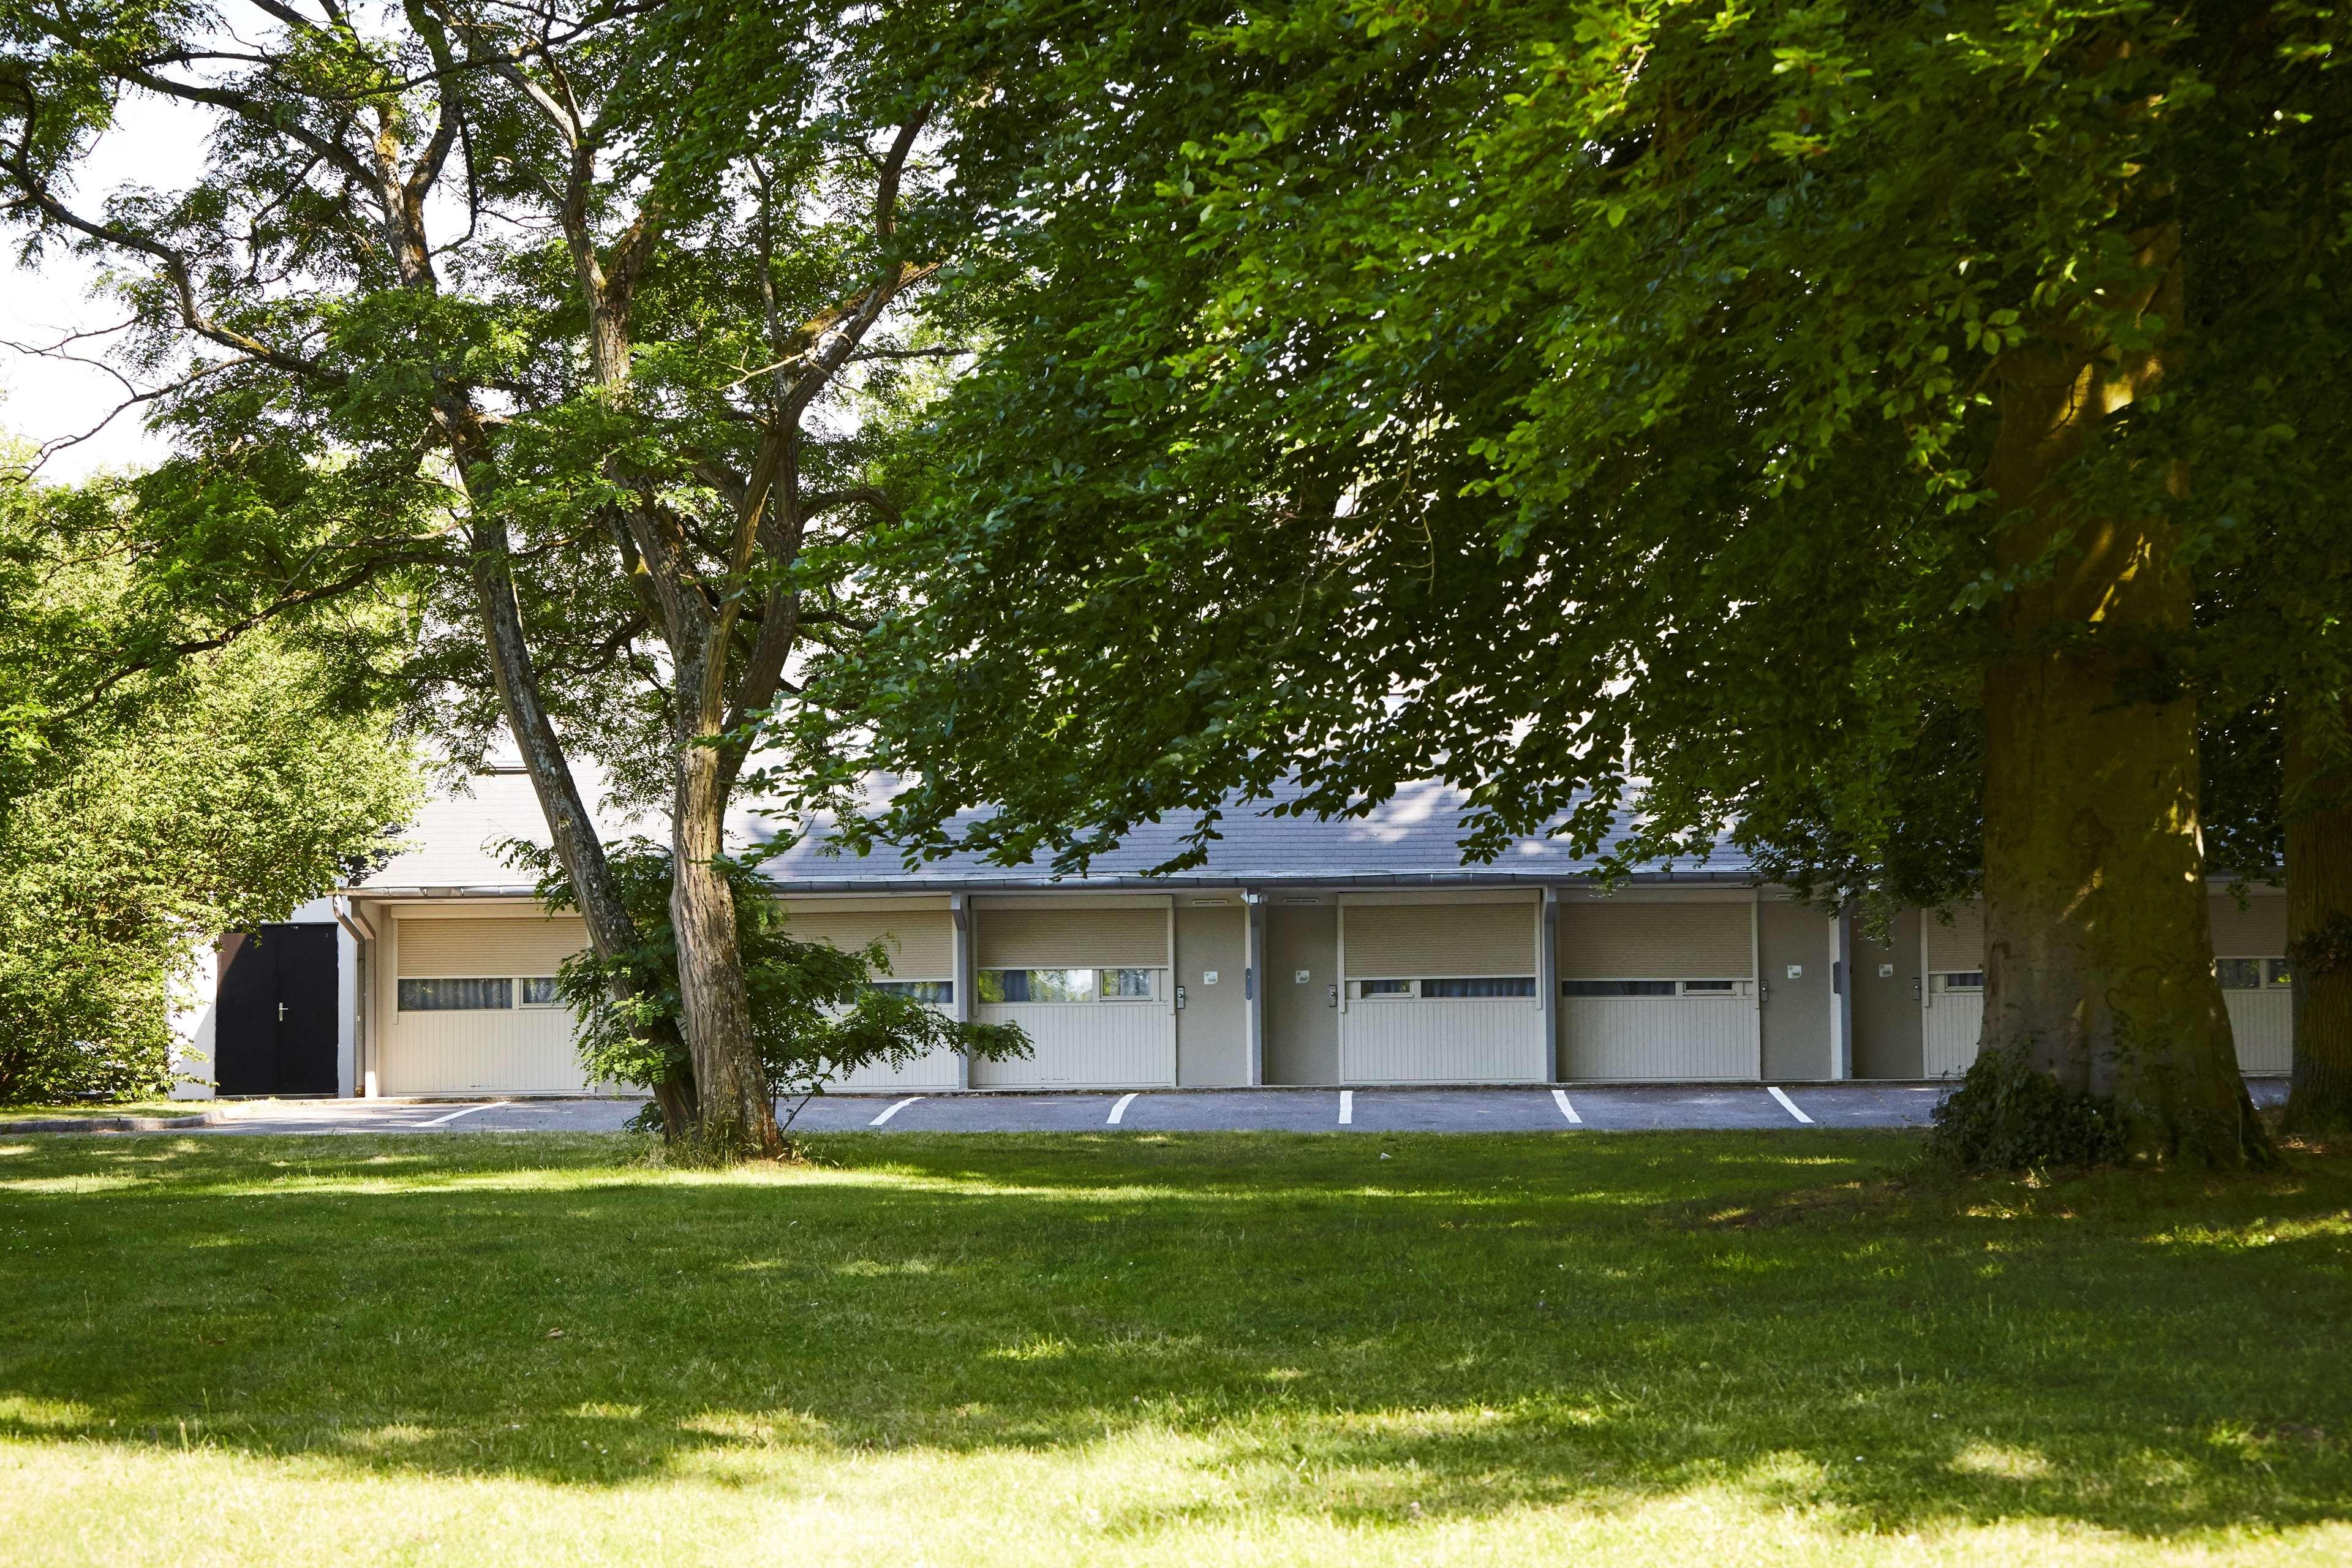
818, 1014
564, 313
1756, 404
212, 797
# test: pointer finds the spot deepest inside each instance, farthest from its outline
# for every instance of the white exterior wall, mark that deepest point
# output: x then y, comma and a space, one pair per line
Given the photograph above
1450, 1039
1698, 935
517, 1050
927, 1073
1084, 1045
2263, 1024
1955, 1023
1685, 1037
189, 998
1447, 1040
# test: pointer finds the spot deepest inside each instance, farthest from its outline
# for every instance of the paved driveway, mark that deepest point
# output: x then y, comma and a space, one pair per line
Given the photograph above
1586, 1108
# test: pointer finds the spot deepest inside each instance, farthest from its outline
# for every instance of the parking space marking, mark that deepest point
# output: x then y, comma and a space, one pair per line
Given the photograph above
1789, 1105
1560, 1098
466, 1111
1118, 1112
1347, 1107
889, 1111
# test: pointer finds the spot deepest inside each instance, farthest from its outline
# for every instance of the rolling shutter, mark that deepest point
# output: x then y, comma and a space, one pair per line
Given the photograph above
445, 948
1134, 936
1958, 947
921, 941
2259, 931
1419, 942
1615, 939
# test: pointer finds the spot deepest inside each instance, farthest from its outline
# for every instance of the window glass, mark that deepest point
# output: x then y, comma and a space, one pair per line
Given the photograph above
1481, 985
2239, 973
539, 991
1387, 987
1036, 985
1709, 987
1616, 987
1965, 980
2278, 971
454, 995
1127, 985
941, 991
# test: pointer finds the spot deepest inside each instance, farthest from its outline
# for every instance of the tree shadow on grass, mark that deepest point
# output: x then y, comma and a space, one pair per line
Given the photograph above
1470, 1325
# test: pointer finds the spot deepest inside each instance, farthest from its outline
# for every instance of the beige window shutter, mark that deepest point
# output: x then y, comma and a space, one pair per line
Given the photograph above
1132, 937
1615, 939
1957, 948
2258, 931
1423, 942
458, 947
921, 941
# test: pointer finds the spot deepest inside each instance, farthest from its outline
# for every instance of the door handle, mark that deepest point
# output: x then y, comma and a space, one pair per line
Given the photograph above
1180, 998
281, 1012
1763, 992
1335, 996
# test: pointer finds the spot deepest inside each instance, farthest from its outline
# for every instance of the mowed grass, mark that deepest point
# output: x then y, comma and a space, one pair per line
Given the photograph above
1681, 1349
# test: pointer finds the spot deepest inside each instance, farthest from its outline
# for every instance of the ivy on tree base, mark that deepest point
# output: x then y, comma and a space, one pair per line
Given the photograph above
2008, 1115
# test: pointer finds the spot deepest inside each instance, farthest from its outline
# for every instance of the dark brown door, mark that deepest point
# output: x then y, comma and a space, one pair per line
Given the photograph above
274, 1018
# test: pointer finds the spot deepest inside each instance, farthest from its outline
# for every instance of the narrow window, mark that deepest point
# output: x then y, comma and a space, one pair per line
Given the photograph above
539, 991
1384, 988
1127, 985
1709, 987
1616, 987
1036, 985
2239, 973
1481, 985
456, 995
2278, 971
941, 992
1965, 980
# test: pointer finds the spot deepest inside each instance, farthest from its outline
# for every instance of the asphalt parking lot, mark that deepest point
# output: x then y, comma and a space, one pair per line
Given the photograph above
1577, 1108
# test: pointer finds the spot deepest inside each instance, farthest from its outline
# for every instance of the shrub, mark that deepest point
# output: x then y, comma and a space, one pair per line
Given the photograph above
2009, 1115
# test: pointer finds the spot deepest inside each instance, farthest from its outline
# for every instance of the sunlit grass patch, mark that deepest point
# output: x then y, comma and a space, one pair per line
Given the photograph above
542, 1348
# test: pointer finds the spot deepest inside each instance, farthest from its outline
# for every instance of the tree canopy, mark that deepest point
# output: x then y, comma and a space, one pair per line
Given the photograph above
1806, 422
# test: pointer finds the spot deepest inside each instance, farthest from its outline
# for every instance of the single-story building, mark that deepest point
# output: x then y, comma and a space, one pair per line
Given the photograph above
1352, 952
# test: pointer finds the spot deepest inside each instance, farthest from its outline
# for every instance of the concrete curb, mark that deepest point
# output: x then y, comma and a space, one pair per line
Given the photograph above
114, 1123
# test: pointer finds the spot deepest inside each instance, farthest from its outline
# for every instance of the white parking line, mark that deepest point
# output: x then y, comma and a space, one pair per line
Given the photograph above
891, 1111
1347, 1107
1118, 1112
1789, 1105
1560, 1098
464, 1110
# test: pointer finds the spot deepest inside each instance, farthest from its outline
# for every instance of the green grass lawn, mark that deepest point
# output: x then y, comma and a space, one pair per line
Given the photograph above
1673, 1349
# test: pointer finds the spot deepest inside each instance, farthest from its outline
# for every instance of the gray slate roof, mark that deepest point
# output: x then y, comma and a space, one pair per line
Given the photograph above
1411, 840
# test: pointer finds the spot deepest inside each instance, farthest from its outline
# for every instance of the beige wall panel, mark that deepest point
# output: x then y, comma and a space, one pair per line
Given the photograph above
1658, 1036
1417, 941
460, 945
526, 1050
1465, 1040
2259, 931
1958, 947
1955, 1021
1131, 936
1614, 939
2263, 1024
1084, 1045
921, 941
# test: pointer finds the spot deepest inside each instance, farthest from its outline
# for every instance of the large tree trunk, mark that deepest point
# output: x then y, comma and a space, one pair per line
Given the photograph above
2098, 947
578, 845
737, 1115
2318, 811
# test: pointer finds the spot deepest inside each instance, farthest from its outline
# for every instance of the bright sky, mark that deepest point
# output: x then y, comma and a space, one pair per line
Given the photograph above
155, 145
